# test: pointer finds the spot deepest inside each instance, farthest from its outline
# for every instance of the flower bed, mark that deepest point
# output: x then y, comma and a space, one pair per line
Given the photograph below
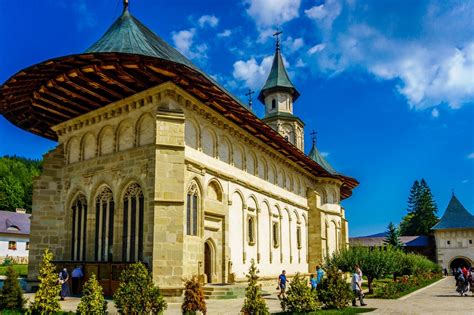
405, 285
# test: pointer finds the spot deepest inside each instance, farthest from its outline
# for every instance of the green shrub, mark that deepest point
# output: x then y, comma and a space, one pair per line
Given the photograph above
92, 300
137, 294
46, 298
193, 297
11, 297
7, 261
334, 291
299, 297
254, 303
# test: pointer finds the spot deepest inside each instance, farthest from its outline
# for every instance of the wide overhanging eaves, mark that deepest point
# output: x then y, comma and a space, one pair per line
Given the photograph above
44, 95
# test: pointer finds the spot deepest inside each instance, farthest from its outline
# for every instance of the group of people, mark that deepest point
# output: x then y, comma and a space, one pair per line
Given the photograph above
464, 279
315, 280
76, 275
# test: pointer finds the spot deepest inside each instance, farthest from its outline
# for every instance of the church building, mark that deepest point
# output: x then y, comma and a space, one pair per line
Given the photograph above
454, 235
157, 162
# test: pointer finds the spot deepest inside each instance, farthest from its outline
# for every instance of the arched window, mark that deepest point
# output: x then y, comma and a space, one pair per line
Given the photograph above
104, 225
192, 208
275, 235
133, 212
298, 237
251, 230
79, 222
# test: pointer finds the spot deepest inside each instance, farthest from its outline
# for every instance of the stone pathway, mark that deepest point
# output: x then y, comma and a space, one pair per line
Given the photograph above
440, 298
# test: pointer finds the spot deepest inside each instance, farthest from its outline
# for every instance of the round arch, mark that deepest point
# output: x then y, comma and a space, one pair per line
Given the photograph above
460, 261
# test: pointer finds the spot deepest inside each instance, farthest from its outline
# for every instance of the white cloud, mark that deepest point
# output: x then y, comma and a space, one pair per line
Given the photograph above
324, 154
429, 64
225, 33
316, 49
268, 14
435, 113
251, 72
292, 45
184, 41
465, 181
209, 20
300, 63
471, 156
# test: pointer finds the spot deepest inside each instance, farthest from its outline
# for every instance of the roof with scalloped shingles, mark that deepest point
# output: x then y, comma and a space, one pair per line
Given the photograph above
455, 217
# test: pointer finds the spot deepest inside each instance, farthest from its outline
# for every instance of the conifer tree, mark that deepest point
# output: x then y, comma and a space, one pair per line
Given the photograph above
92, 300
253, 303
193, 297
11, 297
46, 298
392, 236
300, 298
422, 211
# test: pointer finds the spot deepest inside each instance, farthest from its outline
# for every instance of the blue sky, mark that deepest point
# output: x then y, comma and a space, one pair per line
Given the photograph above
388, 85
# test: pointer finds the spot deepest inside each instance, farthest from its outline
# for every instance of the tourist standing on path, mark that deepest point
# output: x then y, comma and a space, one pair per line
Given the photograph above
282, 284
313, 282
357, 288
76, 276
63, 279
319, 275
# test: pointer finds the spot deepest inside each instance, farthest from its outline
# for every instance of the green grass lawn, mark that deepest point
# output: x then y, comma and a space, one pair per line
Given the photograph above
347, 311
21, 269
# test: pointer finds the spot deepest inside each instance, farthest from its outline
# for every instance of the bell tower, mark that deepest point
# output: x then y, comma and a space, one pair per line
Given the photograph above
278, 95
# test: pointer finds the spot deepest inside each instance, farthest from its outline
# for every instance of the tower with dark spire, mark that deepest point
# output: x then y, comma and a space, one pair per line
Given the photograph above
278, 95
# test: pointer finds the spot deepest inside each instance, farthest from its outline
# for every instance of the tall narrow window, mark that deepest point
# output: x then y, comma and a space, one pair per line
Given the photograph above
104, 225
192, 208
273, 103
79, 223
275, 234
251, 230
298, 237
133, 212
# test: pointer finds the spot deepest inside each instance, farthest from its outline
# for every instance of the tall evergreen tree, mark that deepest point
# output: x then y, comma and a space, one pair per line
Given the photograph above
393, 236
422, 211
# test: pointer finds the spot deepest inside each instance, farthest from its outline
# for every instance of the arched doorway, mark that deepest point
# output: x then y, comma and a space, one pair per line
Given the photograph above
459, 262
208, 260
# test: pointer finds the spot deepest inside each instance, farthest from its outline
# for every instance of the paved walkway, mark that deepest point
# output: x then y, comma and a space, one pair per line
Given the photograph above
440, 298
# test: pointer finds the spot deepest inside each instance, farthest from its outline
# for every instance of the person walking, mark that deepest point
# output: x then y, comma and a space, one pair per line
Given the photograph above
63, 279
282, 284
319, 275
357, 288
313, 283
76, 276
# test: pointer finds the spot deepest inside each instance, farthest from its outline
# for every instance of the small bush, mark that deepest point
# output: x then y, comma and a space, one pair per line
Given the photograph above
299, 297
137, 294
7, 261
253, 303
334, 292
46, 298
11, 297
193, 297
92, 300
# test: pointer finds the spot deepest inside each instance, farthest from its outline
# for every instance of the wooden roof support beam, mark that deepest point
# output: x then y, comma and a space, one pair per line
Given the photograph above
108, 79
58, 86
131, 78
83, 89
37, 103
54, 95
97, 85
44, 99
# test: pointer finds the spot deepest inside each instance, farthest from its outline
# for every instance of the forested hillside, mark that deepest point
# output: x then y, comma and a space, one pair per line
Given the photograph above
16, 182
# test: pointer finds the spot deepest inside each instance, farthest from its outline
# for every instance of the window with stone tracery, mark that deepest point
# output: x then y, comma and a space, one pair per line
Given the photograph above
133, 214
192, 208
79, 224
104, 225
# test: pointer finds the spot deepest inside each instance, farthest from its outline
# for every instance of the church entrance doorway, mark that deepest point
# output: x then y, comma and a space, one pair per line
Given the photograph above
208, 261
459, 262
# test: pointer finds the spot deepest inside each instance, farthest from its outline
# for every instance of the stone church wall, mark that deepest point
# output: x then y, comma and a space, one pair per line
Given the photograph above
451, 244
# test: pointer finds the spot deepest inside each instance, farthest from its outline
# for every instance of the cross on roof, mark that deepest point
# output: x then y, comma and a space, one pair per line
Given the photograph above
249, 95
313, 137
277, 35
125, 4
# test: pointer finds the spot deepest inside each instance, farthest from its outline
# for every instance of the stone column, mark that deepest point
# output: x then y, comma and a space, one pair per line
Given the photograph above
314, 232
169, 214
48, 214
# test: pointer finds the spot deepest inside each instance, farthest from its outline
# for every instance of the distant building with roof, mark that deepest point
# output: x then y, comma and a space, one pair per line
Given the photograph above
454, 235
14, 235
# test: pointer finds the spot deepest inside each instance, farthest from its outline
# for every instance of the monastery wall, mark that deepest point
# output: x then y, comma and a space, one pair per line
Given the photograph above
451, 244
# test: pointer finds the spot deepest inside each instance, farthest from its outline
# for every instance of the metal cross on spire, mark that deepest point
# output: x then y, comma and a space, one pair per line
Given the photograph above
277, 35
249, 95
313, 137
125, 5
